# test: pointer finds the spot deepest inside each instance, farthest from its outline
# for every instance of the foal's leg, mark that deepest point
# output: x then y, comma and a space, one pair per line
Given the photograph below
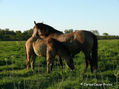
52, 63
33, 57
60, 61
49, 60
49, 64
51, 53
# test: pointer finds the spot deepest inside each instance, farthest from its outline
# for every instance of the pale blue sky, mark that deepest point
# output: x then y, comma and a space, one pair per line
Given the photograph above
102, 15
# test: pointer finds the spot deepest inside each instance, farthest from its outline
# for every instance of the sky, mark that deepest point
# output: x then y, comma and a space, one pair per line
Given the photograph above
101, 15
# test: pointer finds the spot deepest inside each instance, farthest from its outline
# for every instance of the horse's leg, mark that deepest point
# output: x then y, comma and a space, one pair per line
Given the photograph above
60, 61
33, 57
27, 61
27, 56
49, 60
52, 63
49, 64
88, 60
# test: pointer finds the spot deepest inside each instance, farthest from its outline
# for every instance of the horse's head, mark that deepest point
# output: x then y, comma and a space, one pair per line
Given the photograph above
39, 29
69, 61
43, 30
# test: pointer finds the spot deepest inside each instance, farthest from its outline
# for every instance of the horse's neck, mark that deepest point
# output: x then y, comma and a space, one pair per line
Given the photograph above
54, 35
34, 38
64, 37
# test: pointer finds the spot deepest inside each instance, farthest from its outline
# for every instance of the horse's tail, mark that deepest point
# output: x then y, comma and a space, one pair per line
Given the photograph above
95, 52
25, 51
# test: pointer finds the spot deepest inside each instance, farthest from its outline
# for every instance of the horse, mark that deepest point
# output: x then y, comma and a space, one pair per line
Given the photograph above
49, 48
80, 40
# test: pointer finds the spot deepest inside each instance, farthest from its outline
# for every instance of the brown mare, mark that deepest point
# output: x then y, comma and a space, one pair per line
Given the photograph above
47, 48
80, 40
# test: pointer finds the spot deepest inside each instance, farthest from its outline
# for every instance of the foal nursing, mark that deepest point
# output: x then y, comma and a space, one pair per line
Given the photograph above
47, 48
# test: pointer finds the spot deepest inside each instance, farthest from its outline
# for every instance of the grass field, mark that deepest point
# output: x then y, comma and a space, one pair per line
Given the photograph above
14, 75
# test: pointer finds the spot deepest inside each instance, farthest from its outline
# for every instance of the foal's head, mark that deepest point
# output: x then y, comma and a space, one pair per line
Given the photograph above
70, 63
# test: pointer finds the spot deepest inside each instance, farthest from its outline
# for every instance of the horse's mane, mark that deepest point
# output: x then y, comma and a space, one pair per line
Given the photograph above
50, 29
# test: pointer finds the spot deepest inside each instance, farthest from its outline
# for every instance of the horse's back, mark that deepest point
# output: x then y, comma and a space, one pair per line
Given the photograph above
86, 38
78, 40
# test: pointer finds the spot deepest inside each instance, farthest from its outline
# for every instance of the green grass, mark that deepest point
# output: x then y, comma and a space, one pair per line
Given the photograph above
14, 75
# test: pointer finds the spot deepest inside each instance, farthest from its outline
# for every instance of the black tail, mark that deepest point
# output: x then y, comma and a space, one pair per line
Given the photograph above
95, 52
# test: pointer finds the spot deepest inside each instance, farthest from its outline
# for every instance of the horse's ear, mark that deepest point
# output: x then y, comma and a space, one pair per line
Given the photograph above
35, 22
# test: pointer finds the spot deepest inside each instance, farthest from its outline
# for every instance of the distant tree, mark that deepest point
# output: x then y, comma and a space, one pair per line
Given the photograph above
18, 35
1, 34
105, 34
68, 30
8, 35
95, 32
7, 29
26, 34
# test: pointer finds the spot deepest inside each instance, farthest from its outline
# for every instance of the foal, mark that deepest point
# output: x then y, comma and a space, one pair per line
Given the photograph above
47, 48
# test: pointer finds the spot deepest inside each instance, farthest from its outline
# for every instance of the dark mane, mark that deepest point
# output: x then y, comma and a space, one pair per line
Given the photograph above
50, 29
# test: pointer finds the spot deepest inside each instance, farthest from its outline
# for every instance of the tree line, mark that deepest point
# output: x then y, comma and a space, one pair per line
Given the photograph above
8, 35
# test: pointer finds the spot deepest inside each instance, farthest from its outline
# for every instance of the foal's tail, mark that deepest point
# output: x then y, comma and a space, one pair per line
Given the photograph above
95, 52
